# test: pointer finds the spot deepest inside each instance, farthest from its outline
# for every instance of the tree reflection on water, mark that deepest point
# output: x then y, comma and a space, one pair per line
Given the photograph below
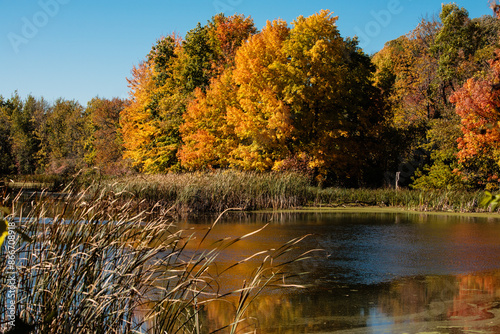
414, 304
384, 273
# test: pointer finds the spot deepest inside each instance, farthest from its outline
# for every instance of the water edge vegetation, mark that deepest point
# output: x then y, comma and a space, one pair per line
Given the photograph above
96, 262
213, 192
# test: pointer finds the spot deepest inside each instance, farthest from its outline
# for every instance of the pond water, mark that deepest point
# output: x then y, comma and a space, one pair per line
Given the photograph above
379, 272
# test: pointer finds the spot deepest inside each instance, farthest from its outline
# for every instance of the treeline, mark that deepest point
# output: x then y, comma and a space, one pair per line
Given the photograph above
426, 78
292, 97
61, 138
286, 98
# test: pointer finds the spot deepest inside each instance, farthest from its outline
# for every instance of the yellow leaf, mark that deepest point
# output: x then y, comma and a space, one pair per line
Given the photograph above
3, 230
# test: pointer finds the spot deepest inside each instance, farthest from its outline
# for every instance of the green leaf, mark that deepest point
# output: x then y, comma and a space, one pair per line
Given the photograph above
495, 202
489, 200
486, 200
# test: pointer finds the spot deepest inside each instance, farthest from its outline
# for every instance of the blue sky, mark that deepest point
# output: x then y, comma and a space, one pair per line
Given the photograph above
78, 49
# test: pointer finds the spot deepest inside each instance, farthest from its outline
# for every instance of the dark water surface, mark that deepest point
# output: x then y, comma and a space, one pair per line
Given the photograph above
378, 273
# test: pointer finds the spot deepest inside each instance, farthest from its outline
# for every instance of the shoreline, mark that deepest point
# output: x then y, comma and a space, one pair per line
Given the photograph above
378, 209
213, 192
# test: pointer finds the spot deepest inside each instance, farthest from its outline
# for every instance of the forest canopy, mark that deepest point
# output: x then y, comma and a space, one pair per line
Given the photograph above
292, 97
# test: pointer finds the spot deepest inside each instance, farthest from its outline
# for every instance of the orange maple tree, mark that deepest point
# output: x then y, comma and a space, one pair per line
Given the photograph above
208, 138
478, 105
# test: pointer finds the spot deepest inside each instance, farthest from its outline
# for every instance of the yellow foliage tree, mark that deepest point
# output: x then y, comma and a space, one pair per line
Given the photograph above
150, 123
262, 119
334, 106
208, 138
303, 93
136, 126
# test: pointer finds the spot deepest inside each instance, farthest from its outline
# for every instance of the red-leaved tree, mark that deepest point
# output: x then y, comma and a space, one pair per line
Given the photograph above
478, 104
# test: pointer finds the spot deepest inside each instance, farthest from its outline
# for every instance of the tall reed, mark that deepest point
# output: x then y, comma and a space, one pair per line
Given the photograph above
214, 191
421, 200
99, 263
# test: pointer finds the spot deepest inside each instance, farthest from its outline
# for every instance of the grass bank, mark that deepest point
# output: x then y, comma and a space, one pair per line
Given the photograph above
214, 192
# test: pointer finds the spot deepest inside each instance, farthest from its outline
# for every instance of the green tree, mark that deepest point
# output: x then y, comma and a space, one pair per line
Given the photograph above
197, 58
62, 137
454, 44
208, 49
6, 159
25, 143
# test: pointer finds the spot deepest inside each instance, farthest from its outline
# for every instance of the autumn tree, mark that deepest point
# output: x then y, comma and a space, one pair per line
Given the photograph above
226, 35
262, 118
478, 103
406, 72
208, 49
58, 138
303, 93
150, 121
333, 102
239, 121
136, 119
104, 146
419, 72
208, 137
461, 46
162, 87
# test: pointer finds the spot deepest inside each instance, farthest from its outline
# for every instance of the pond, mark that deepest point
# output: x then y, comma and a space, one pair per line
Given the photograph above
378, 272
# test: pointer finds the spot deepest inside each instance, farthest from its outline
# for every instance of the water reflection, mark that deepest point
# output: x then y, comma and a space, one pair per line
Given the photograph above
378, 273
437, 304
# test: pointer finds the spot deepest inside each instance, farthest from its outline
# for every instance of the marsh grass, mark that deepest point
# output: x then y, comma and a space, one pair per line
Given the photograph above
419, 200
100, 263
215, 191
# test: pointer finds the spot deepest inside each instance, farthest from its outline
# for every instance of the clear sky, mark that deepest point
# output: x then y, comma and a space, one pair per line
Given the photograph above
79, 49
